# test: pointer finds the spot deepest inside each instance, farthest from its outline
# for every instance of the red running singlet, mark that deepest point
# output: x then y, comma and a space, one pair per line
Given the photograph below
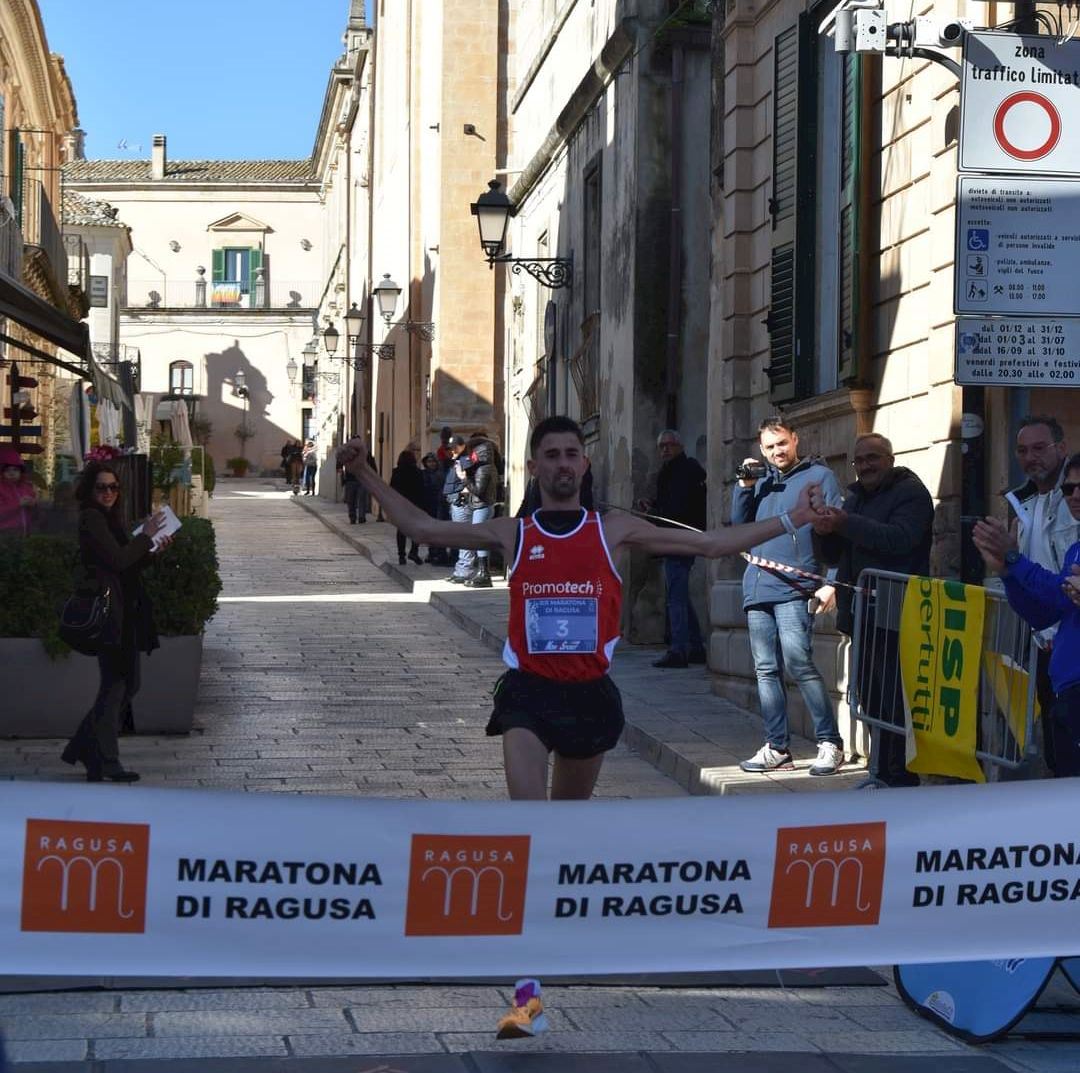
565, 602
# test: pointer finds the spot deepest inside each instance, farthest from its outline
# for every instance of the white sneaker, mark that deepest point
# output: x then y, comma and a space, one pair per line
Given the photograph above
829, 759
768, 759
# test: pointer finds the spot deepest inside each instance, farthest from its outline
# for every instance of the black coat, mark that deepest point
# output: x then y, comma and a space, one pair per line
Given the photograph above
680, 491
481, 473
409, 482
889, 529
107, 553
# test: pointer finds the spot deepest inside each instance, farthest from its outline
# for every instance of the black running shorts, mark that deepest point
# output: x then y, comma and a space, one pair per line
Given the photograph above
573, 719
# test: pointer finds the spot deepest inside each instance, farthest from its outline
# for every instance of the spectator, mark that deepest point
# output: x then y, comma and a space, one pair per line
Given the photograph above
680, 496
434, 477
109, 555
443, 452
778, 611
406, 480
18, 499
353, 493
456, 497
886, 523
1043, 531
1044, 598
310, 458
481, 484
293, 456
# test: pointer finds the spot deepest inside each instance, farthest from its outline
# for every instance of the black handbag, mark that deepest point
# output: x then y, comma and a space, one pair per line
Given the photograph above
86, 620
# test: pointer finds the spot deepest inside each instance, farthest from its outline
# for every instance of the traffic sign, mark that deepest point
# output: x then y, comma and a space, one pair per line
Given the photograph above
1016, 246
1020, 104
1018, 353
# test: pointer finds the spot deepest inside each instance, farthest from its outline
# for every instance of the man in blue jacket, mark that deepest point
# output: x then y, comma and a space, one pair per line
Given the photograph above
1043, 598
779, 613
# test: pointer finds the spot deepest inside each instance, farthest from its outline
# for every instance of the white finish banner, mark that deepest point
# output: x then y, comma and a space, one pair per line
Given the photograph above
176, 882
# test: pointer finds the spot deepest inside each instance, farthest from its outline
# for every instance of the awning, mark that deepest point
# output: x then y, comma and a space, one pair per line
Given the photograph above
20, 304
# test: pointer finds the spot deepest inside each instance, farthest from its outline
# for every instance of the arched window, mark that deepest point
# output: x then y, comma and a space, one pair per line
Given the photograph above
181, 378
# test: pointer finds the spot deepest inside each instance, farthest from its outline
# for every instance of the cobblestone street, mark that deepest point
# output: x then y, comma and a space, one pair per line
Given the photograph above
323, 675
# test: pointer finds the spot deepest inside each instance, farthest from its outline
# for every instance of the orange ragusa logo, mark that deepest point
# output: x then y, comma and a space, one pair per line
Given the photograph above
88, 877
467, 885
828, 876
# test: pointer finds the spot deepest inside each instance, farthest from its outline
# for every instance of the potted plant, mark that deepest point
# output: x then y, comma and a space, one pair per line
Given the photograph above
48, 687
237, 466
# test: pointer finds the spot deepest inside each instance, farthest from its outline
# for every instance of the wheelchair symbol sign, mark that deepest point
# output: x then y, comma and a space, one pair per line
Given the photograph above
978, 239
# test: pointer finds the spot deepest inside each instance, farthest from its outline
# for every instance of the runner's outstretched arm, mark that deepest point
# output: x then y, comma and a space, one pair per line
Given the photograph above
416, 523
714, 543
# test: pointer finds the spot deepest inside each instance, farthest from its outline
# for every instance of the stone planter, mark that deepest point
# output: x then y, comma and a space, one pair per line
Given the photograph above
46, 698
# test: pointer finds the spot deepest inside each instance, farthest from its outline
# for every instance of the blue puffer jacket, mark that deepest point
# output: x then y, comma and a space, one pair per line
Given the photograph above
770, 496
1035, 595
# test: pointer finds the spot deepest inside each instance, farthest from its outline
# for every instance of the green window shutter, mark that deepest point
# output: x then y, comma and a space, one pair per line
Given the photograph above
850, 153
217, 269
255, 260
782, 207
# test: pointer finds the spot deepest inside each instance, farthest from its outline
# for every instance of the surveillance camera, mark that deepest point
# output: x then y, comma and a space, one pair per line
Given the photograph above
940, 33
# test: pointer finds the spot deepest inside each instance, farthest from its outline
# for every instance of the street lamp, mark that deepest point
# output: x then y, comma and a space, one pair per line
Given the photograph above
309, 352
493, 210
291, 369
387, 294
356, 350
240, 389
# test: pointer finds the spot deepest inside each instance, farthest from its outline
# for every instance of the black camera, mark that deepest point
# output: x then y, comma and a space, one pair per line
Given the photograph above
750, 471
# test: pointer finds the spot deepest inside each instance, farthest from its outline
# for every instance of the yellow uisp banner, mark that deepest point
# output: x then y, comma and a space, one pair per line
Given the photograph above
941, 626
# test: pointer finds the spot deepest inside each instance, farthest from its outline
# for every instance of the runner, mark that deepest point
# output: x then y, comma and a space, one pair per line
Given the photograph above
565, 609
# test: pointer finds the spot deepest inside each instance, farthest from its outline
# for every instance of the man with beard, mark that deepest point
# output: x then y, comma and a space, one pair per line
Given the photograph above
565, 606
1042, 531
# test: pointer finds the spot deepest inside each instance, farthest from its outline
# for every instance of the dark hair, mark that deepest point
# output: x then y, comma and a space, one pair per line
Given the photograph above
431, 456
406, 458
84, 490
552, 425
1052, 423
1071, 463
773, 423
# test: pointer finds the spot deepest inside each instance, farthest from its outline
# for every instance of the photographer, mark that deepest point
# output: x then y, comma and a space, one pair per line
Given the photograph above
481, 481
780, 607
456, 497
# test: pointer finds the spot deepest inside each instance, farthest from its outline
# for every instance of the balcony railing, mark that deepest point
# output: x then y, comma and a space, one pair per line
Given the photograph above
78, 261
41, 229
201, 293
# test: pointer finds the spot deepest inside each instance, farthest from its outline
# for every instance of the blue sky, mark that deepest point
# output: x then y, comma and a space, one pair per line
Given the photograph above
222, 80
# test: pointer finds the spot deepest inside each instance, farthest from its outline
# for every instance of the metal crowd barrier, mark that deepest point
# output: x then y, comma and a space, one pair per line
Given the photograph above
1006, 704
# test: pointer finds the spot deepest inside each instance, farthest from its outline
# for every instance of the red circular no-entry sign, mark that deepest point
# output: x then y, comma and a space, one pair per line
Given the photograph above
1027, 97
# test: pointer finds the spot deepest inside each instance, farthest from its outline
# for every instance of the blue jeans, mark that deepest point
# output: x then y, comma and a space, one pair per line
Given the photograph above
466, 560
685, 631
481, 514
781, 638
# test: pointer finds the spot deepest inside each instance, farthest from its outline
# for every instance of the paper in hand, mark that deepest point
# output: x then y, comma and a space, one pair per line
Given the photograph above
172, 524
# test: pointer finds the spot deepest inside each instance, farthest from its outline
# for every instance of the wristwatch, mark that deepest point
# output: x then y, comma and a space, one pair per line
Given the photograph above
1012, 557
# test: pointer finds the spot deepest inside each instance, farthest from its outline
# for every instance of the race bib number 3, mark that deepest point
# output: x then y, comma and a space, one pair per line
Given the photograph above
561, 626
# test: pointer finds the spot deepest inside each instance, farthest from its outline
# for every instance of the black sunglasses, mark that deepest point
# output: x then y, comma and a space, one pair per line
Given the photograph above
106, 488
1068, 487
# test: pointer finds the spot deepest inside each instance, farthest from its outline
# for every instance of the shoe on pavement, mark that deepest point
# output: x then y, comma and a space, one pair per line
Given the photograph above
829, 759
768, 759
671, 659
697, 655
526, 1016
456, 579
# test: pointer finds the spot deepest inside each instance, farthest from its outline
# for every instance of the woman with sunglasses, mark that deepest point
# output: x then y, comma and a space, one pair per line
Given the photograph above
107, 552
